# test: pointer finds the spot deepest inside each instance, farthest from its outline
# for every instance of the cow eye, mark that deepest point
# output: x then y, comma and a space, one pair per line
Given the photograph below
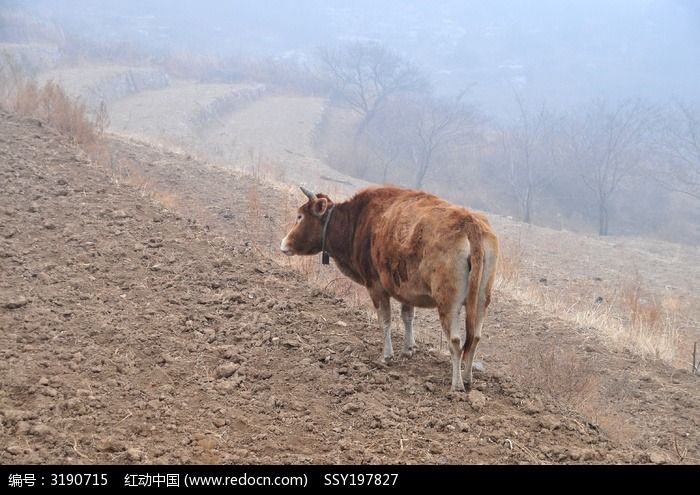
299, 218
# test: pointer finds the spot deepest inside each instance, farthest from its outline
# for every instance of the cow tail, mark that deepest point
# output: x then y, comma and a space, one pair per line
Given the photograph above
474, 284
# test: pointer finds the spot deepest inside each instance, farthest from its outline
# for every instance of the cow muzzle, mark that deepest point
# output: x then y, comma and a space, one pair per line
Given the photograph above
285, 248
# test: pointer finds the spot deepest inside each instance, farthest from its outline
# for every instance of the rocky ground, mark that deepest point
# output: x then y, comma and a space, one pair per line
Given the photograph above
132, 333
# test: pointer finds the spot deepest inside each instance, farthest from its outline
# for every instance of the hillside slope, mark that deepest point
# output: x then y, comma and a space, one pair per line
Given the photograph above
642, 403
129, 333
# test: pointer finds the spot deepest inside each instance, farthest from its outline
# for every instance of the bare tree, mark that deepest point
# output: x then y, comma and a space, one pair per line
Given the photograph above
529, 152
680, 150
386, 142
608, 147
439, 125
366, 75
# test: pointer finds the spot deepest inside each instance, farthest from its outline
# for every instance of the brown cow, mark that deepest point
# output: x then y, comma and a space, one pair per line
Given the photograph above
411, 246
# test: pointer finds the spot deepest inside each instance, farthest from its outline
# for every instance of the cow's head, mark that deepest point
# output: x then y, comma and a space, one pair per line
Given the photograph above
305, 236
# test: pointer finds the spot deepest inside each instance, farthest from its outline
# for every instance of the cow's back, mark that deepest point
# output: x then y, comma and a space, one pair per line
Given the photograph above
416, 237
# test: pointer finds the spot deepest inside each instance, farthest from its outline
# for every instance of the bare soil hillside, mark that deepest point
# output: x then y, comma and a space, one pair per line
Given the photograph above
640, 402
130, 333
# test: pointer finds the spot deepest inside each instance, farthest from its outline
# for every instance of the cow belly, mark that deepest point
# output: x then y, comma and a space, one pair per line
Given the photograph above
401, 278
411, 292
418, 301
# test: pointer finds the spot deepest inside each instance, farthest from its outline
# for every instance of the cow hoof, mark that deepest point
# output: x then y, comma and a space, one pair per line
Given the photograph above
467, 378
457, 387
386, 360
457, 395
410, 351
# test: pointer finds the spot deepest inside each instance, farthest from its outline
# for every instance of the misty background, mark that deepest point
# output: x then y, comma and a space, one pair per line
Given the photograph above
579, 115
563, 51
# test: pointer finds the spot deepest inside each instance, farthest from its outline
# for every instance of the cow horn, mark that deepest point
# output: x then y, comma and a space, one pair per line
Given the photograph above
308, 193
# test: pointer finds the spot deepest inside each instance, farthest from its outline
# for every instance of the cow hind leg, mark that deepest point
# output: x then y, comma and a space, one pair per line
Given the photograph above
449, 318
407, 314
472, 341
474, 336
382, 304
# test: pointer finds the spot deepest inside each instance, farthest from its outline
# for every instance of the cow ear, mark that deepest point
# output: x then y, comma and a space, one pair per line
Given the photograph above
320, 206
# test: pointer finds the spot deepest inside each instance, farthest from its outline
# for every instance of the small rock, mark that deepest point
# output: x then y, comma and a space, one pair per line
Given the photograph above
23, 427
225, 386
219, 422
134, 454
164, 359
532, 407
50, 391
14, 450
210, 335
226, 370
110, 444
139, 247
14, 302
43, 381
41, 430
435, 449
233, 356
463, 426
476, 399
478, 366
657, 458
119, 214
549, 423
588, 455
49, 226
341, 323
430, 387
351, 407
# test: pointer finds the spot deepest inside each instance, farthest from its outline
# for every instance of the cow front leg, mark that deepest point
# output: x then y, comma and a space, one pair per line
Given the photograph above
407, 315
382, 304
